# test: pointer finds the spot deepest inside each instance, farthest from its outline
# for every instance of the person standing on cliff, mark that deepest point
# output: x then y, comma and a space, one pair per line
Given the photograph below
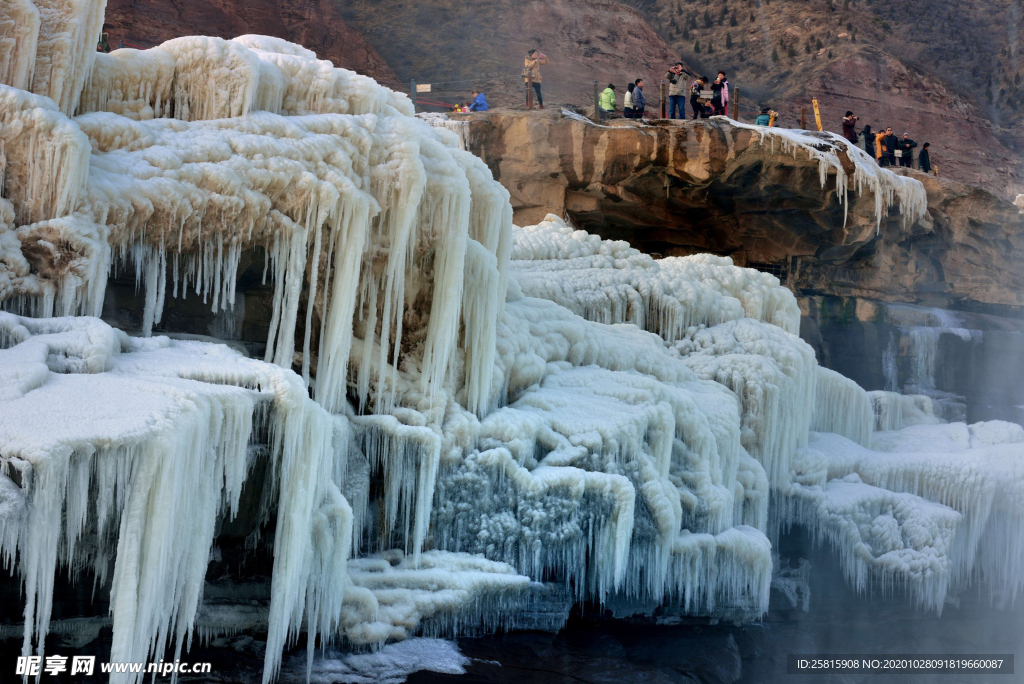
676, 91
764, 118
639, 101
606, 103
888, 146
720, 97
906, 148
627, 101
924, 160
531, 70
695, 92
850, 128
869, 140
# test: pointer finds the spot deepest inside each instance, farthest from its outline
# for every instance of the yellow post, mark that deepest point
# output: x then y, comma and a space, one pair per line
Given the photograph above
817, 113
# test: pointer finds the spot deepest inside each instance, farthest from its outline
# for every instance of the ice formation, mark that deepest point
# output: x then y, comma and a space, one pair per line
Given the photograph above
610, 282
833, 153
455, 419
392, 664
973, 470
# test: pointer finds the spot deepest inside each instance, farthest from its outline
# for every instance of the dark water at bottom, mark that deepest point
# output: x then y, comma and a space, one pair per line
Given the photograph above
838, 621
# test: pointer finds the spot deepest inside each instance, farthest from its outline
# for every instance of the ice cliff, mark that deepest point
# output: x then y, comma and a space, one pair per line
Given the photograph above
453, 415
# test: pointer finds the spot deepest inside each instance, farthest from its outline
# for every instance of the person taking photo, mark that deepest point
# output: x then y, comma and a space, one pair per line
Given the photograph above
676, 91
850, 128
531, 73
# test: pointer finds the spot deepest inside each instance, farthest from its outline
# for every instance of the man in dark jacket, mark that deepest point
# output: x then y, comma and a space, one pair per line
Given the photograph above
639, 101
889, 144
906, 148
924, 160
850, 128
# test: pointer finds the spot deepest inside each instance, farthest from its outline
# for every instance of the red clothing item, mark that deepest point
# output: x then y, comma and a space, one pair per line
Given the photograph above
850, 130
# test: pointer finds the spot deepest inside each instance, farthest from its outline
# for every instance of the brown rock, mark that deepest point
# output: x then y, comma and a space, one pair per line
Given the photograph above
678, 188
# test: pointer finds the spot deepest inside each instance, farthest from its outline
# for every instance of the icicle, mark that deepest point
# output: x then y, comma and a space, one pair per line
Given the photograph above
213, 78
447, 220
841, 406
132, 83
825, 148
46, 155
66, 49
482, 301
19, 33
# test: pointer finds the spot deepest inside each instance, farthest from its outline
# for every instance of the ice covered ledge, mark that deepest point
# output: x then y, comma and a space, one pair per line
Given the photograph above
683, 187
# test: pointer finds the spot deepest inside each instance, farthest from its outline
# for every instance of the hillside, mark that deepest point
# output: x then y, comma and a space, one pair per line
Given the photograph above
456, 46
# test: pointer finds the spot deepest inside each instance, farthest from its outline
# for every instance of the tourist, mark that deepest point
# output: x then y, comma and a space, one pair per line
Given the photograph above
479, 102
606, 104
888, 147
627, 102
763, 119
869, 140
720, 95
924, 160
906, 148
639, 101
850, 128
696, 90
531, 71
676, 92
878, 146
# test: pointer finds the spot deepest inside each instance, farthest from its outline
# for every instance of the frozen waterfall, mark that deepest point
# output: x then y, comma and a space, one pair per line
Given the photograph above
455, 418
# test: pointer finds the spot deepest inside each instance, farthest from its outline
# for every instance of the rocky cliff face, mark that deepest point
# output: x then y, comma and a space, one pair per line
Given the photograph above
315, 24
686, 187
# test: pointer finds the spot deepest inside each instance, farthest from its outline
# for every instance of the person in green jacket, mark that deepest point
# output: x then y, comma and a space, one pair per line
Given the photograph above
607, 101
764, 118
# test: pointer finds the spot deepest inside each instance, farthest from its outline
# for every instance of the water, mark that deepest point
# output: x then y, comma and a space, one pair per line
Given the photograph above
919, 331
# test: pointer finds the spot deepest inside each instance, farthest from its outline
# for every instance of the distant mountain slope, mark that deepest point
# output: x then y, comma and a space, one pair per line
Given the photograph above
458, 45
315, 24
